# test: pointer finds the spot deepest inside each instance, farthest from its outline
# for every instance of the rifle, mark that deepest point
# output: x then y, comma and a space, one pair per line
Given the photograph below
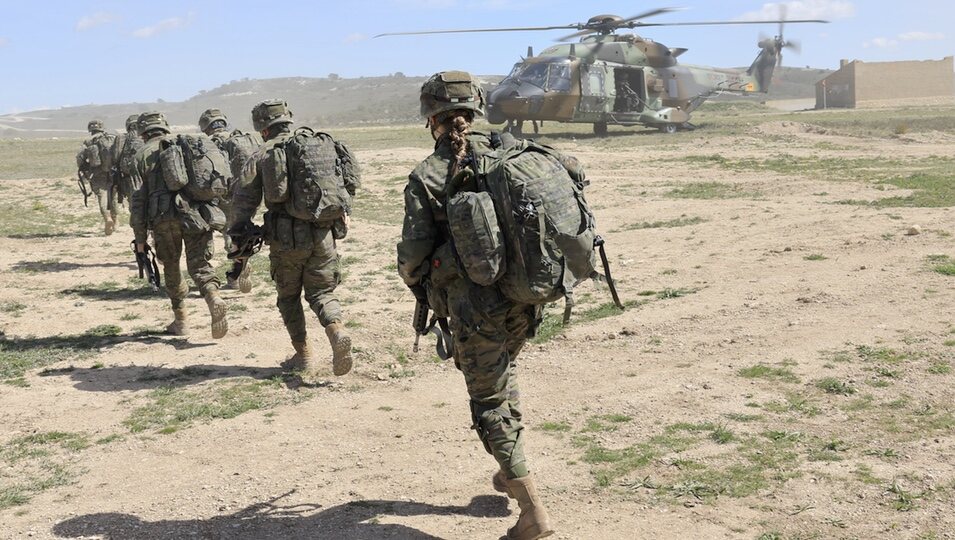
247, 240
444, 347
146, 264
80, 177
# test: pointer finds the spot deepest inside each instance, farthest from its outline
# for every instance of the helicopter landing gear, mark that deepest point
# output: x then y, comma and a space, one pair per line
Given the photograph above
668, 128
600, 129
536, 127
517, 128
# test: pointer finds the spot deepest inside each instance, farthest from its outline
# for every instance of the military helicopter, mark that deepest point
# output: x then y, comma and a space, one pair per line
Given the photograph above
619, 79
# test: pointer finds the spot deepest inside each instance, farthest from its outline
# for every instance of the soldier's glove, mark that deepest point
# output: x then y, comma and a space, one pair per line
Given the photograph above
419, 293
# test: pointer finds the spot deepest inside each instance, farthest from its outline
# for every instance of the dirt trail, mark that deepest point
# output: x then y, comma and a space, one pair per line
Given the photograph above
775, 274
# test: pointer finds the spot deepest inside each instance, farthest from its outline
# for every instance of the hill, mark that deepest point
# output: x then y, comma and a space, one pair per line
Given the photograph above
327, 101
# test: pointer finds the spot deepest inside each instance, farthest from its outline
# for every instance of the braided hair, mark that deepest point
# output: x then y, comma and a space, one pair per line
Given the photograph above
457, 125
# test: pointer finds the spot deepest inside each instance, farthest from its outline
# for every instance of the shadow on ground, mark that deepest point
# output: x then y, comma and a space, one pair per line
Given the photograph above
116, 378
57, 266
111, 292
356, 520
92, 340
42, 235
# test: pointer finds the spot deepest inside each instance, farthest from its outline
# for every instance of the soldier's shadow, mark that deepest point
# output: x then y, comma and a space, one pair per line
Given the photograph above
57, 266
356, 520
132, 377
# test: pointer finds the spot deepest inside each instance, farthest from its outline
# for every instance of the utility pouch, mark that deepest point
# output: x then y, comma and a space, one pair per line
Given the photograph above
302, 233
282, 237
173, 166
189, 217
213, 216
339, 228
274, 175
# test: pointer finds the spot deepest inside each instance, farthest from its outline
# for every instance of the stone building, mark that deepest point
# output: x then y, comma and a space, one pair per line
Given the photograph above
857, 82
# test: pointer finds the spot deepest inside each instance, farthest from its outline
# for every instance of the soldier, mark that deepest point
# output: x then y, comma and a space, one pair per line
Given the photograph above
239, 147
488, 329
308, 198
93, 165
122, 160
175, 222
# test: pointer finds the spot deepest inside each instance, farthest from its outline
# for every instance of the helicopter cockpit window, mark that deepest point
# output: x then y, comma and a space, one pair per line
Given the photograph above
547, 76
558, 77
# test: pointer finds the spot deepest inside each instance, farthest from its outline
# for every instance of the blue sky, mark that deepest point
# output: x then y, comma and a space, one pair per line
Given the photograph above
59, 53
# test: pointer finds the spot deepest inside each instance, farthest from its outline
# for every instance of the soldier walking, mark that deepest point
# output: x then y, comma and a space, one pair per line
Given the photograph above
488, 329
307, 180
93, 167
177, 223
123, 160
239, 147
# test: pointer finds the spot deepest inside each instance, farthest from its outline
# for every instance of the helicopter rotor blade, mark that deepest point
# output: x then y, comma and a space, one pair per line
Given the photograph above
704, 23
648, 14
583, 32
473, 30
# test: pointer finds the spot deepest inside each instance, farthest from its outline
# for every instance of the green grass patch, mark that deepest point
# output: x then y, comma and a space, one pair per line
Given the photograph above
710, 190
681, 221
816, 257
940, 367
35, 463
763, 371
942, 264
832, 385
171, 409
554, 427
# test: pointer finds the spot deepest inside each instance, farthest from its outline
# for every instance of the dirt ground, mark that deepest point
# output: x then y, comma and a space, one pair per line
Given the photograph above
783, 369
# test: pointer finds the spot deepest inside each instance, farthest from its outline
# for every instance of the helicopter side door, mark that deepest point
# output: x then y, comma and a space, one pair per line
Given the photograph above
631, 89
597, 91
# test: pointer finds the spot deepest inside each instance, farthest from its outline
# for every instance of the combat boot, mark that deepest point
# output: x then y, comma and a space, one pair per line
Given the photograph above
341, 348
178, 326
245, 281
301, 360
217, 309
533, 523
499, 481
230, 284
108, 226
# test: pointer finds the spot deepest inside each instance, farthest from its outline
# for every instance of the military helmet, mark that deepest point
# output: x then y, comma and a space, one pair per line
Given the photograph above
151, 120
210, 116
95, 125
451, 90
132, 123
270, 112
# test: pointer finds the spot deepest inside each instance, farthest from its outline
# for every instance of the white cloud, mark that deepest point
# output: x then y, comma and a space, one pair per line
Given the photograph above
803, 9
165, 25
92, 21
4, 41
891, 42
881, 43
921, 36
357, 36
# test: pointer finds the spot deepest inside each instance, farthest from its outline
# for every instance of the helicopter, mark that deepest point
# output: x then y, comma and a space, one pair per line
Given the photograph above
623, 79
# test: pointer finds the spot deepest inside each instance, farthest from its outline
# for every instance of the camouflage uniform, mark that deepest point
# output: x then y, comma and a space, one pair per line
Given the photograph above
123, 160
99, 176
302, 254
214, 124
172, 217
488, 329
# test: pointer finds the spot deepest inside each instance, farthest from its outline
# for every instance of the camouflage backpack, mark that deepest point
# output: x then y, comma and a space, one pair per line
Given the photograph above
194, 164
522, 223
124, 158
97, 151
240, 146
311, 175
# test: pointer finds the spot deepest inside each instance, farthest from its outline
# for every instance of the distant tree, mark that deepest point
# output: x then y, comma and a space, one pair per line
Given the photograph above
333, 76
399, 75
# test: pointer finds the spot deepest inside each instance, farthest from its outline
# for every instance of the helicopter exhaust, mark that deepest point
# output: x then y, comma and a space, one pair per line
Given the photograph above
530, 51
